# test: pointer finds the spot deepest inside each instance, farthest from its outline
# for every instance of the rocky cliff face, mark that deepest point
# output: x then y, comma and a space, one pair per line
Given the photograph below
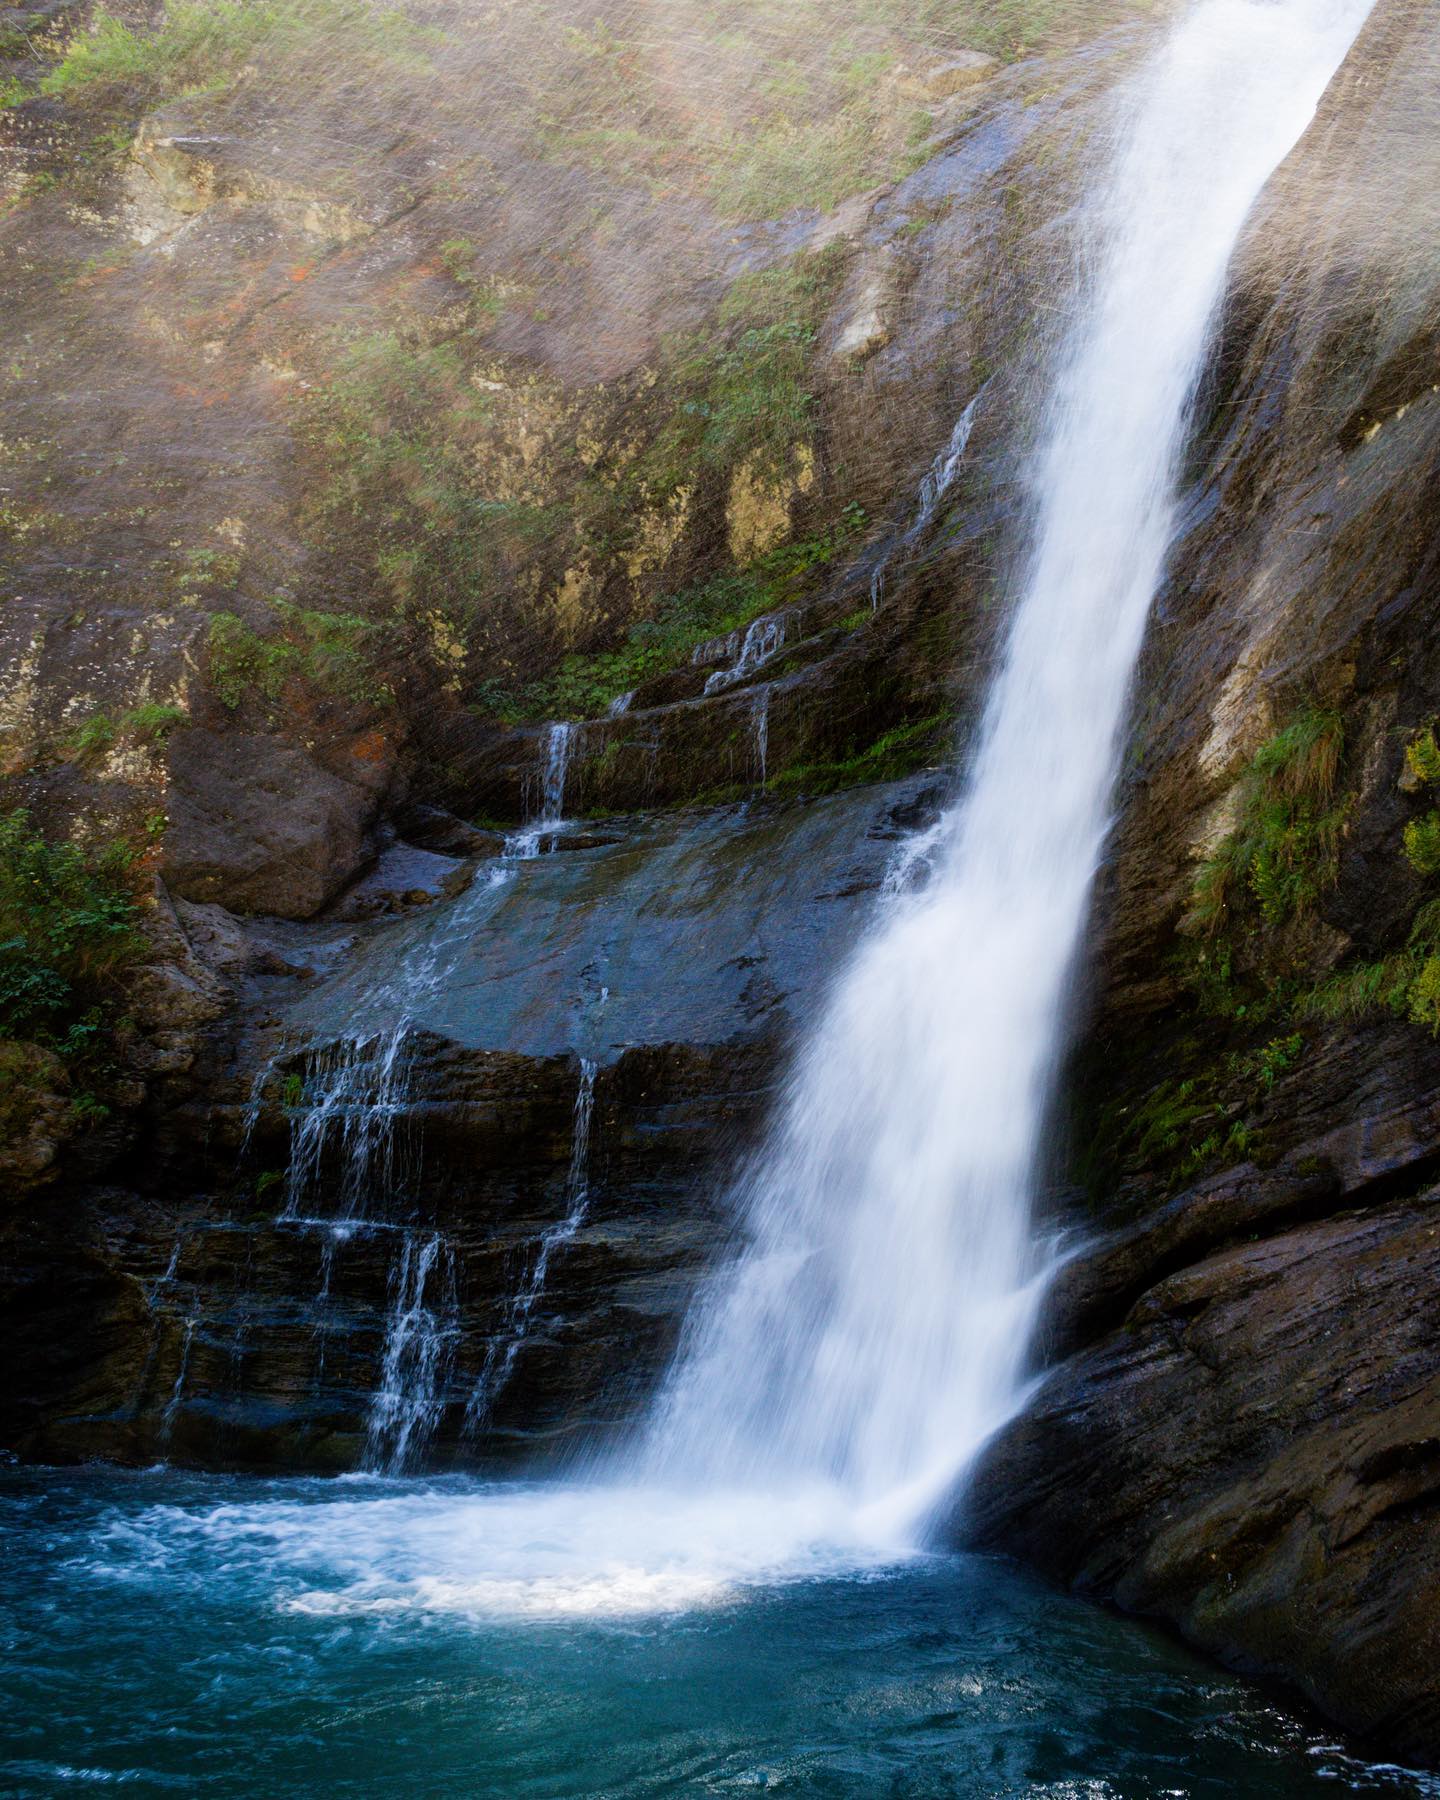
1239, 1430
381, 465
403, 487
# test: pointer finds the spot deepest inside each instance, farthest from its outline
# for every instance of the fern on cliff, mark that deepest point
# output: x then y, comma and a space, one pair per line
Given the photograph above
68, 924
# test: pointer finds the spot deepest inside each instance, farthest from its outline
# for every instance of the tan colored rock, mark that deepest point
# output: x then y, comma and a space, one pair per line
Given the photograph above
870, 326
758, 514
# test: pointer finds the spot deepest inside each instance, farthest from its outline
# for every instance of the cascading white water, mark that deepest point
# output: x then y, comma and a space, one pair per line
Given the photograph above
874, 1331
349, 1174
525, 844
420, 1338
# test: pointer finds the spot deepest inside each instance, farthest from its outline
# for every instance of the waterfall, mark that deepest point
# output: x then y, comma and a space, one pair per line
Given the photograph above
873, 1328
764, 639
873, 1331
351, 1172
760, 725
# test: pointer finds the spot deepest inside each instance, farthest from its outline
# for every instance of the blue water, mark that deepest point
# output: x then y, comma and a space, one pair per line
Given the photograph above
178, 1634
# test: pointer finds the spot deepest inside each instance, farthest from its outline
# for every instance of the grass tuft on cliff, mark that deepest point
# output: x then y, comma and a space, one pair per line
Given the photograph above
1407, 981
1284, 849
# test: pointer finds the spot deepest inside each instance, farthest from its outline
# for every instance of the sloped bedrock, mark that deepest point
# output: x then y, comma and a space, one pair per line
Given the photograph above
699, 927
272, 274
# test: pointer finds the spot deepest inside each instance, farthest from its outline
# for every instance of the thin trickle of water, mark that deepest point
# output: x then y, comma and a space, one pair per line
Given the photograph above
620, 705
420, 1339
874, 1330
166, 1279
938, 480
940, 477
760, 727
177, 1392
505, 1348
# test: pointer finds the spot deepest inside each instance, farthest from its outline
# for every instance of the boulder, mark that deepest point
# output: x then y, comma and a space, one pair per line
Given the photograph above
256, 825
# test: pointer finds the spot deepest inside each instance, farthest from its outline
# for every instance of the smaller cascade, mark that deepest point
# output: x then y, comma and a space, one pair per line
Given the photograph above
764, 639
351, 1097
620, 705
942, 472
505, 1348
420, 1339
177, 1392
557, 764
353, 1166
526, 844
155, 1288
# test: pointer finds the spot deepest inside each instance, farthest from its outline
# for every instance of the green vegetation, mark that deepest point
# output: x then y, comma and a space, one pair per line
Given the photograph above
1185, 1126
583, 686
898, 752
1253, 961
92, 736
329, 653
1422, 758
744, 391
402, 434
1284, 849
68, 925
1422, 844
1406, 982
417, 464
153, 722
803, 106
202, 44
147, 724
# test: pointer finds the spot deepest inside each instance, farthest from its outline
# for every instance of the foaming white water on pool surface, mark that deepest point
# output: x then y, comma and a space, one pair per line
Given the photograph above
252, 1639
515, 1551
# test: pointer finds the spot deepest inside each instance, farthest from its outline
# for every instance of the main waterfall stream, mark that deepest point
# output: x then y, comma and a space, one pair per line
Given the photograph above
747, 1600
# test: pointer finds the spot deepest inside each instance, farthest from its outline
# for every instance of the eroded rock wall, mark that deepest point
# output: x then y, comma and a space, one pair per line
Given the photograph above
1239, 1430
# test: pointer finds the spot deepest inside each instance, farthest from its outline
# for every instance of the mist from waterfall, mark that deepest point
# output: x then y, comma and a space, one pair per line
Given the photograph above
874, 1331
